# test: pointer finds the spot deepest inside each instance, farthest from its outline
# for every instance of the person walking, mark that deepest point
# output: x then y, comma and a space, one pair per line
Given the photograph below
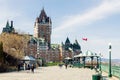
24, 66
18, 67
28, 67
32, 68
66, 65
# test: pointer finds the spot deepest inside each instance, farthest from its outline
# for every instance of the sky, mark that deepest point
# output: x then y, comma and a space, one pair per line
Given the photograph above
96, 20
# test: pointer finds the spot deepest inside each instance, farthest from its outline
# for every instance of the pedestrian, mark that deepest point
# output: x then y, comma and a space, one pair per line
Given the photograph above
32, 68
18, 67
96, 68
60, 65
24, 66
28, 67
66, 65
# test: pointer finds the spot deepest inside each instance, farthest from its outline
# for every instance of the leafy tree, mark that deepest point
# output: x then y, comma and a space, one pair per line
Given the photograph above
14, 44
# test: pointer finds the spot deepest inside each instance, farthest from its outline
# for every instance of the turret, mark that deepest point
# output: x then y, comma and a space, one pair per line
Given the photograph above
11, 24
8, 28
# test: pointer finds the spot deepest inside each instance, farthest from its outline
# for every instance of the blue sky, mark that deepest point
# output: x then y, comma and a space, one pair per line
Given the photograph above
98, 20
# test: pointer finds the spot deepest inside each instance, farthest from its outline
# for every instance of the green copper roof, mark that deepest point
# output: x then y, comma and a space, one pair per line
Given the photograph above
54, 46
7, 24
8, 28
35, 40
76, 45
67, 41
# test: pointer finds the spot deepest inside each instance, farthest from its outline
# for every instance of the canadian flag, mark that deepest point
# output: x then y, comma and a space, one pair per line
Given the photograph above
85, 39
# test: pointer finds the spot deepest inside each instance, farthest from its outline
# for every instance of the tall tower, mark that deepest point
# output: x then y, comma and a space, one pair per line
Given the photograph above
42, 27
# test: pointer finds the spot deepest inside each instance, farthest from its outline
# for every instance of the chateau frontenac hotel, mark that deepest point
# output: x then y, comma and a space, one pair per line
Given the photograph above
39, 44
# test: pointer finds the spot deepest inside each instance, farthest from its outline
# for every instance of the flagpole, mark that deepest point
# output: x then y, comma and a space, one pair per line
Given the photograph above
85, 42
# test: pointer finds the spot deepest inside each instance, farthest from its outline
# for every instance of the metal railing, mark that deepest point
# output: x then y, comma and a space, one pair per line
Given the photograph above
115, 69
104, 67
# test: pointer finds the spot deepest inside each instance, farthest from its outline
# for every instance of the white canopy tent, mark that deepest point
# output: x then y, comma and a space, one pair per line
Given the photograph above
88, 58
29, 58
87, 54
67, 58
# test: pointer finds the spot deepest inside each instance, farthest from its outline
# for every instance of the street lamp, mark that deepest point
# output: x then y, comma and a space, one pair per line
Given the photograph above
110, 47
100, 62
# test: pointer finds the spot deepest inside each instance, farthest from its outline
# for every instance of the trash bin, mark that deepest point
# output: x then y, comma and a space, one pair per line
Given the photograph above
96, 77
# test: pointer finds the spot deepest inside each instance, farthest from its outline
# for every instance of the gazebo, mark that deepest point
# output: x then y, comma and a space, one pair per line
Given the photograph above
68, 60
29, 60
87, 59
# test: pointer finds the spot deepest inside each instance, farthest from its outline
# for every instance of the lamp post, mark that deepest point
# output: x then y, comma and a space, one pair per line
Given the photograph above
110, 47
100, 62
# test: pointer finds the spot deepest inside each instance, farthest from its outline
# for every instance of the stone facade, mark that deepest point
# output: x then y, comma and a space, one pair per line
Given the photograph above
40, 45
35, 46
42, 27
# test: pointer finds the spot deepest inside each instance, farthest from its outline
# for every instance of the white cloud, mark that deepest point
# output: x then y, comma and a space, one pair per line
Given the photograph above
6, 13
21, 21
97, 45
70, 27
105, 9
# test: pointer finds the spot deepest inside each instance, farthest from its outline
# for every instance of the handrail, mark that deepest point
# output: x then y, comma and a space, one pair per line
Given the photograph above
115, 69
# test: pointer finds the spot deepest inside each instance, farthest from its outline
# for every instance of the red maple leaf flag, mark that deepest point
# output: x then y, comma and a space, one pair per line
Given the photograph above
85, 39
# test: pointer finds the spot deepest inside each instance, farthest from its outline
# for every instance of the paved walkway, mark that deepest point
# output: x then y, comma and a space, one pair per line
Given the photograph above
105, 75
51, 73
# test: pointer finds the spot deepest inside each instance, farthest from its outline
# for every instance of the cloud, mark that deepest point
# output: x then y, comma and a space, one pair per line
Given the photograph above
6, 13
97, 45
10, 12
70, 26
105, 9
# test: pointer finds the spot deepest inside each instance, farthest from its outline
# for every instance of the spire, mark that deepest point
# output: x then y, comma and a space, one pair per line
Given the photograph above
43, 17
42, 14
11, 24
67, 44
7, 24
76, 45
67, 41
76, 42
8, 28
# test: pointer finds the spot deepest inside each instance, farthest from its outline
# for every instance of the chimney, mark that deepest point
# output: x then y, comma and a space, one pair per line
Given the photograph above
11, 23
